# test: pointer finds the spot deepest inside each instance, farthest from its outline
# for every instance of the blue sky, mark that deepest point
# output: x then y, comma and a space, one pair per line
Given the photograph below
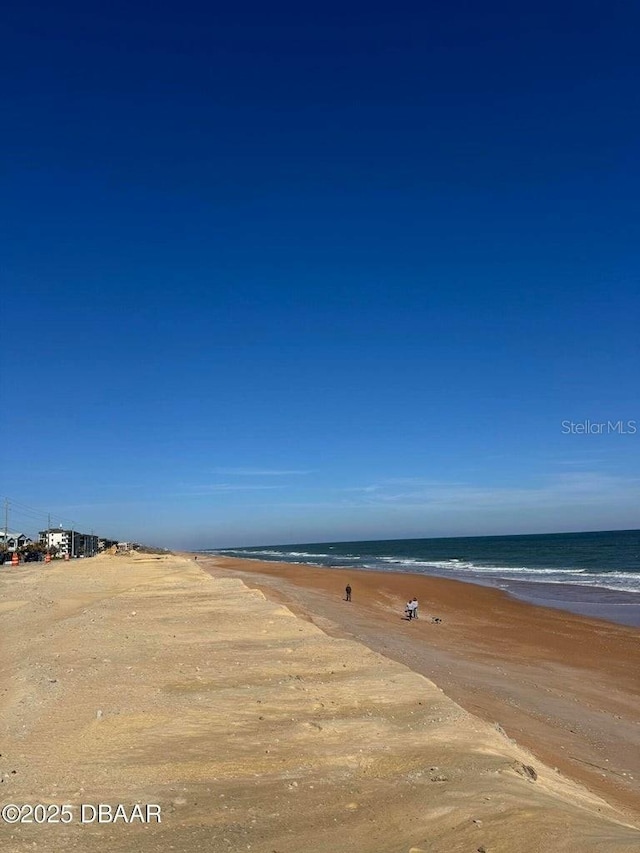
303, 272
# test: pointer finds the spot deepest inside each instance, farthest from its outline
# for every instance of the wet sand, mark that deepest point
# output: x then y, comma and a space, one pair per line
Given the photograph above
565, 686
617, 606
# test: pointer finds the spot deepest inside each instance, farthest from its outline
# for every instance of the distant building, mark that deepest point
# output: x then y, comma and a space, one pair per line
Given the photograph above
57, 538
13, 541
86, 545
70, 542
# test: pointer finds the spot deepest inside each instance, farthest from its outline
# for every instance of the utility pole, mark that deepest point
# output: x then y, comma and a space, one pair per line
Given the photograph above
6, 525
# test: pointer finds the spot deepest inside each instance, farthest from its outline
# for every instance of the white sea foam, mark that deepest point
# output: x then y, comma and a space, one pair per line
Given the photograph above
619, 581
615, 581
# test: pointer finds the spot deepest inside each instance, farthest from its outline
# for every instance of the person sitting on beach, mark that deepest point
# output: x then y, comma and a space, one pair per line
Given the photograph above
347, 591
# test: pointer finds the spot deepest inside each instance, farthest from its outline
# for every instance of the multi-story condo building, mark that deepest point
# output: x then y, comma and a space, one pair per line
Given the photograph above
69, 542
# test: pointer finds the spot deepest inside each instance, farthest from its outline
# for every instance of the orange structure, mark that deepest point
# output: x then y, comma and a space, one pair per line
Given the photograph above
15, 559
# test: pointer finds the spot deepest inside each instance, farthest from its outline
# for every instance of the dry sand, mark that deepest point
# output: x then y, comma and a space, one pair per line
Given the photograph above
139, 679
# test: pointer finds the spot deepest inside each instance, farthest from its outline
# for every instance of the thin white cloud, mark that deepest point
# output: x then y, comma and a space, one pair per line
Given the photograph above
213, 488
413, 482
258, 472
419, 481
561, 490
564, 489
576, 463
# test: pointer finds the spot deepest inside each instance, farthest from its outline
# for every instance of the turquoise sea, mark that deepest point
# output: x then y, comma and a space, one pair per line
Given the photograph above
596, 574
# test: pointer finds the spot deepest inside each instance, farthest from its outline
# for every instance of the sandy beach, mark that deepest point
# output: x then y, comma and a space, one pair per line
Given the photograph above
258, 713
565, 686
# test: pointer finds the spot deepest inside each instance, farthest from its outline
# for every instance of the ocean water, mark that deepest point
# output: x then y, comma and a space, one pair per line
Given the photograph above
596, 574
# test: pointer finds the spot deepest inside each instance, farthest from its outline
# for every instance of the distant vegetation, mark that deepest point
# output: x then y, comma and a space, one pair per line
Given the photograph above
35, 551
149, 549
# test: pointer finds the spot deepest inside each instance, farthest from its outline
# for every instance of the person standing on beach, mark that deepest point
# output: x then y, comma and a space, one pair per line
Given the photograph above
411, 610
347, 590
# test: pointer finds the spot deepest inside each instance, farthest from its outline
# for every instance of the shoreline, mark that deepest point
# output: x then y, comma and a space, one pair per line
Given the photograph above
621, 607
602, 603
563, 685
